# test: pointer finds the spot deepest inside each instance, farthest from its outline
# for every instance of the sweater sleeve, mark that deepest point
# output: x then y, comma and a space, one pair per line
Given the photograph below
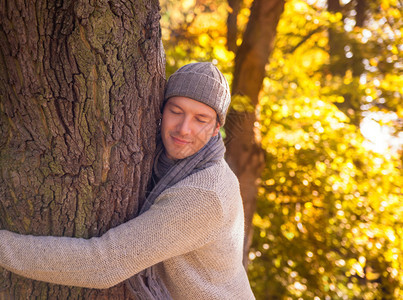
182, 220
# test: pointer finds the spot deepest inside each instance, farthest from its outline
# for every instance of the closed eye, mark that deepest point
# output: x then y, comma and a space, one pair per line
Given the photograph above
176, 112
201, 120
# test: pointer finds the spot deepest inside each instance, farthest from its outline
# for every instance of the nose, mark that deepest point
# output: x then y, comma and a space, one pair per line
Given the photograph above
184, 127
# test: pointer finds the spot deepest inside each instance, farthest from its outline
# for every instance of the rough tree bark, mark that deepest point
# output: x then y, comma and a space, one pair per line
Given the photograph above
81, 84
244, 153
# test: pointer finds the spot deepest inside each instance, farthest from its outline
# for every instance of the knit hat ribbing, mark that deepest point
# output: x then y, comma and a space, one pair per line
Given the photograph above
202, 82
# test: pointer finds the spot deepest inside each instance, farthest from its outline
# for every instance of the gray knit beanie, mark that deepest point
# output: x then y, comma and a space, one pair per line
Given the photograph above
202, 82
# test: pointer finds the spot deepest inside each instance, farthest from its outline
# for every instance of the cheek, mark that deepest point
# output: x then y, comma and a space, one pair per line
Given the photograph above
205, 132
165, 129
163, 126
167, 122
210, 128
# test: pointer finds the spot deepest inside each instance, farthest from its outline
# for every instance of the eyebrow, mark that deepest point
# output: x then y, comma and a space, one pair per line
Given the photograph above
199, 114
173, 104
204, 116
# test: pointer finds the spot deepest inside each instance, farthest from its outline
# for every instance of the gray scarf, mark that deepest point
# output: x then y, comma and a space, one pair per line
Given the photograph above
146, 285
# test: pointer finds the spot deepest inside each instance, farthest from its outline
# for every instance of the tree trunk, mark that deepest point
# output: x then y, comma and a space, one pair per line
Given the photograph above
232, 28
336, 46
339, 45
244, 153
81, 83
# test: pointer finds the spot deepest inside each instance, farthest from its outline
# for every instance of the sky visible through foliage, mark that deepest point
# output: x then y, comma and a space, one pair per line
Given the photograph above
329, 219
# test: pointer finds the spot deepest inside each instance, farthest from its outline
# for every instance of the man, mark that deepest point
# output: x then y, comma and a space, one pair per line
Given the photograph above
187, 241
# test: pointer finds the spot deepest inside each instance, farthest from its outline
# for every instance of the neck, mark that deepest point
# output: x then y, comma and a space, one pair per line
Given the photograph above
162, 164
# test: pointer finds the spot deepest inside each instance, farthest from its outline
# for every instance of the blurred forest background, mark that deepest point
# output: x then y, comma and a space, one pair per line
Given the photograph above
326, 115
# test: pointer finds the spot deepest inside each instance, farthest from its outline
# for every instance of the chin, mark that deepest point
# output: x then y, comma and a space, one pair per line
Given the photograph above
180, 154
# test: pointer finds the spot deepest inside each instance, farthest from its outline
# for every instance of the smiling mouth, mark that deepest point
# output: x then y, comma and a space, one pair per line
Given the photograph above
180, 141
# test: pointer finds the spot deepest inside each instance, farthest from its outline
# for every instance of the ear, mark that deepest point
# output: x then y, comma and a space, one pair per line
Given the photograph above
216, 129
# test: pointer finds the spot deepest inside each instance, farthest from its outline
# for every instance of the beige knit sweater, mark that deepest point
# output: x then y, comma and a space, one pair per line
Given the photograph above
194, 231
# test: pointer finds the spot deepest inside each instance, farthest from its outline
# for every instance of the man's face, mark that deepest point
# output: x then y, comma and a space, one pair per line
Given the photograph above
187, 125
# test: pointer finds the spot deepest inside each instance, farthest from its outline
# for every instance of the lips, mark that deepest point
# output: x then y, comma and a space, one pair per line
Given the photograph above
179, 141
